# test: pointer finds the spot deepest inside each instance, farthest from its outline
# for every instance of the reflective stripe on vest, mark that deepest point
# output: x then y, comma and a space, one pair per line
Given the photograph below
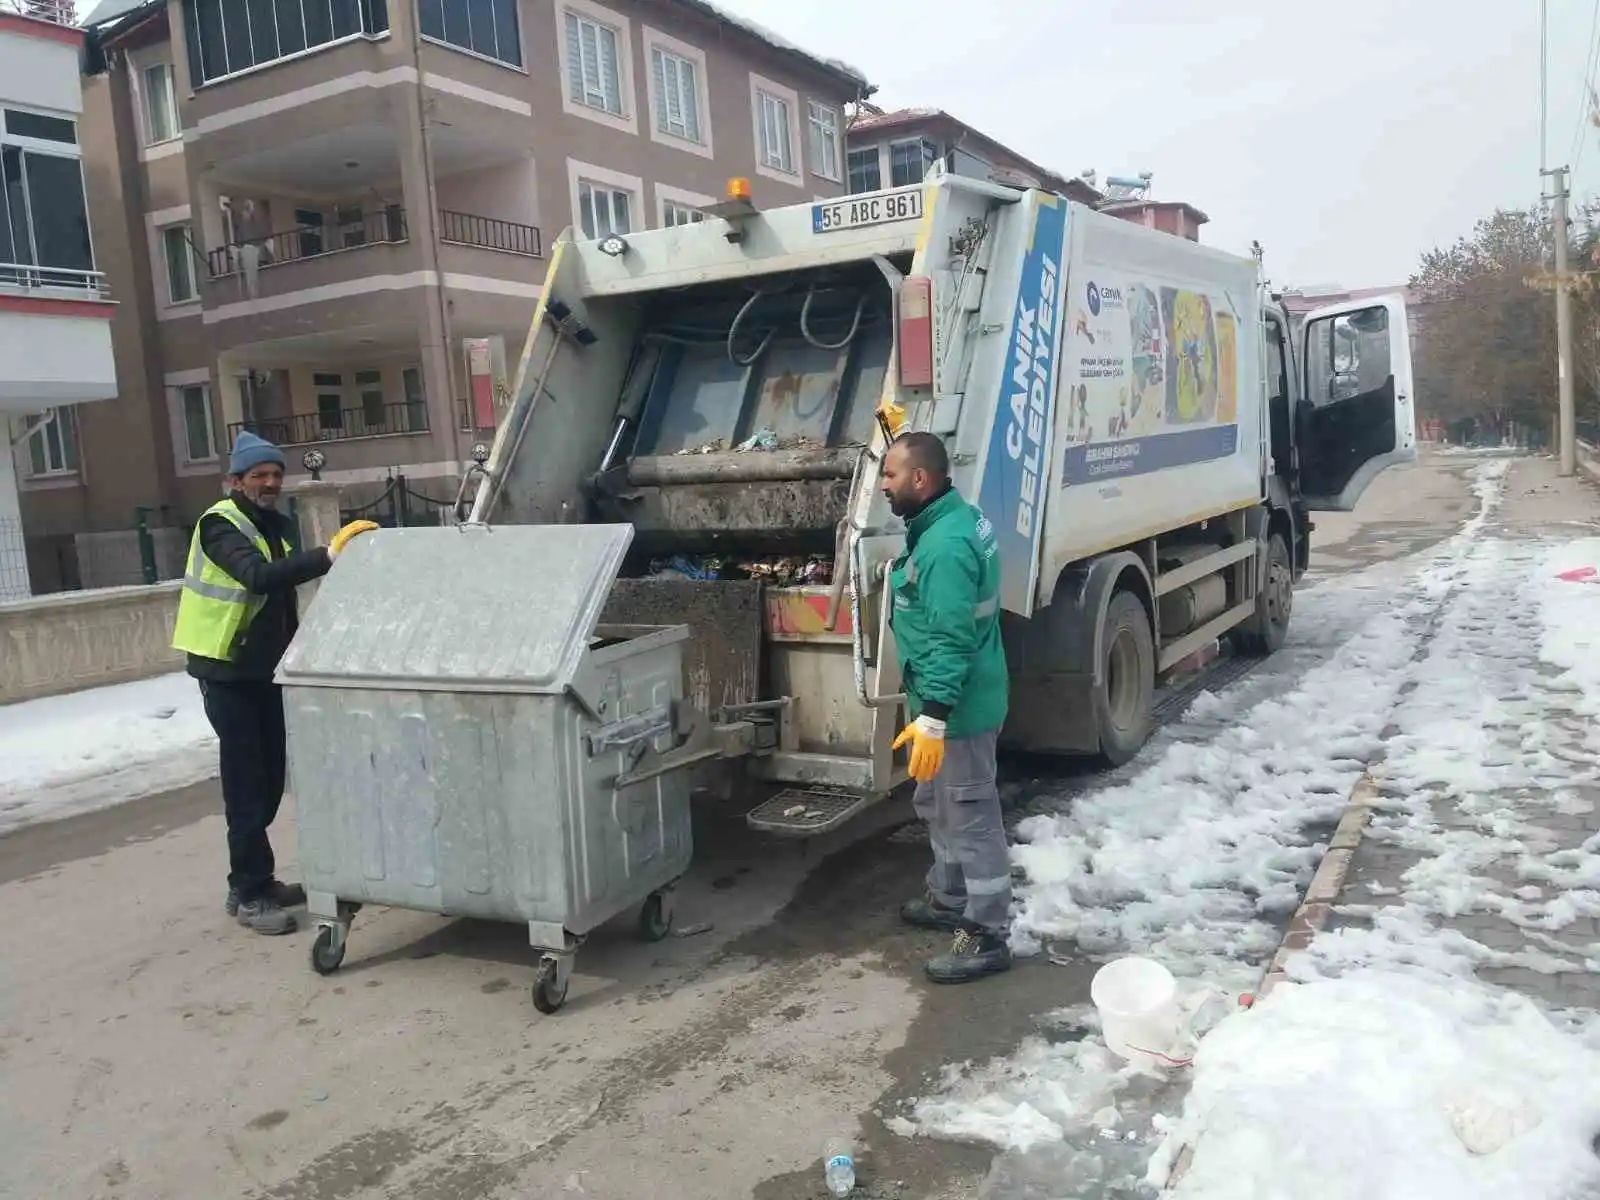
980, 610
214, 608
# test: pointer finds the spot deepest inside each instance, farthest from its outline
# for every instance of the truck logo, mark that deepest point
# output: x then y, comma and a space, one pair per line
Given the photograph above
1094, 300
1014, 472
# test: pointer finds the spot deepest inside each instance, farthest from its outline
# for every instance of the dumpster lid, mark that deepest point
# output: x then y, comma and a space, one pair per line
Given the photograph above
462, 608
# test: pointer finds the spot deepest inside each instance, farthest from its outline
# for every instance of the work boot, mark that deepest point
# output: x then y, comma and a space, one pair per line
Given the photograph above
974, 954
927, 913
288, 895
265, 915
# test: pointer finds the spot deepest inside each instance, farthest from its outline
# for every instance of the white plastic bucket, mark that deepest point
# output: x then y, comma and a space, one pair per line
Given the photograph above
1137, 999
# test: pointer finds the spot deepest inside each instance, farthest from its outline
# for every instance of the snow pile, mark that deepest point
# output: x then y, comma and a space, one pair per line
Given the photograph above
1571, 628
1389, 1086
70, 754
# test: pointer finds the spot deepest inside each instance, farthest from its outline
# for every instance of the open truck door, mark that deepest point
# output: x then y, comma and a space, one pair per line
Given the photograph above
1356, 413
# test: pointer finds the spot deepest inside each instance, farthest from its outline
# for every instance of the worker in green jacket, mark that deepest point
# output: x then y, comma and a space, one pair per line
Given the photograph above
946, 622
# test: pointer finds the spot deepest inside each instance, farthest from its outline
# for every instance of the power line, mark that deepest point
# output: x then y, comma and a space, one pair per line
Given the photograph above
1579, 141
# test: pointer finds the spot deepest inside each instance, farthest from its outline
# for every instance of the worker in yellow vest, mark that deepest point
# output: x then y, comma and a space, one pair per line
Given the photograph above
236, 617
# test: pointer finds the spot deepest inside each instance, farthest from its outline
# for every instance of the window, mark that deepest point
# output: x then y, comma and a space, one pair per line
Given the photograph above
909, 161
352, 225
308, 223
229, 36
199, 429
40, 127
866, 175
416, 400
43, 219
823, 123
603, 211
673, 213
592, 67
486, 27
53, 443
370, 384
677, 95
772, 132
160, 105
175, 246
330, 400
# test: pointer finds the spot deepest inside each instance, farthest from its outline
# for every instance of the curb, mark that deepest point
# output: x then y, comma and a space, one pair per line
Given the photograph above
1323, 891
1312, 915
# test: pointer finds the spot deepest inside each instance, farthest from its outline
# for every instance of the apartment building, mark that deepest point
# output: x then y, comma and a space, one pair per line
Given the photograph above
55, 311
335, 215
896, 148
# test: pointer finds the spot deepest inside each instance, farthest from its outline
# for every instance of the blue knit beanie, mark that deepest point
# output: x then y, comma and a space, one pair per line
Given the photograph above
251, 451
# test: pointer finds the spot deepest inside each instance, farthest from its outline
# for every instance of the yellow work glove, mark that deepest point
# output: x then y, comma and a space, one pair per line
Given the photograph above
354, 529
926, 735
892, 417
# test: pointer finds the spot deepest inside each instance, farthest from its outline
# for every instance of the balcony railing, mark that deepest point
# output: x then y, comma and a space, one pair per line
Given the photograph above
59, 11
337, 424
384, 226
90, 284
489, 233
350, 231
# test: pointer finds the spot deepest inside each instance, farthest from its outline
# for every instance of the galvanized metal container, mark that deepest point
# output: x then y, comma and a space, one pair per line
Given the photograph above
457, 719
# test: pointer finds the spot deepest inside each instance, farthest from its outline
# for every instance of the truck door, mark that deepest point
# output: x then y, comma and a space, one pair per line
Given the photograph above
1356, 413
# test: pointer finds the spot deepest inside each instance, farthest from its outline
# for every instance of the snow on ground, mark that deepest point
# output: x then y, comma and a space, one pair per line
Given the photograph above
70, 754
1372, 1077
1450, 1088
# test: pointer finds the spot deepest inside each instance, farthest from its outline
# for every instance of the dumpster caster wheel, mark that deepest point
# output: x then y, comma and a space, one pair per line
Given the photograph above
655, 918
327, 951
550, 992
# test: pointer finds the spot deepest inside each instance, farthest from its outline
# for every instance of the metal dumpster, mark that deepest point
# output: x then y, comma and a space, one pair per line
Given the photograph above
457, 723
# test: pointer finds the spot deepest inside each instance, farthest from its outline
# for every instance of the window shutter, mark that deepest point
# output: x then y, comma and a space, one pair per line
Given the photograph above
658, 70
691, 100
574, 60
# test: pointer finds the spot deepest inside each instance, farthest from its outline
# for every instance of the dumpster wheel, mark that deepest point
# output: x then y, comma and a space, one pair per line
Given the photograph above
550, 991
655, 917
327, 951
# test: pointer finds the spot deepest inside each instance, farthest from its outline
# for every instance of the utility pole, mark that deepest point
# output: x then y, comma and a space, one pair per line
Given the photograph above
1566, 419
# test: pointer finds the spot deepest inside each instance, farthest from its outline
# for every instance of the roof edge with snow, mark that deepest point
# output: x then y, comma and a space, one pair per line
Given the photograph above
851, 76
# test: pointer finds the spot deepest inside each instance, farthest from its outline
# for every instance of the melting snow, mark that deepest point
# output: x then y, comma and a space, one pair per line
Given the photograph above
70, 754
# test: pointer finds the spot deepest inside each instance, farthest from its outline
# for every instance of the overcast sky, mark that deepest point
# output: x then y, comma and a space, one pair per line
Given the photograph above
1346, 137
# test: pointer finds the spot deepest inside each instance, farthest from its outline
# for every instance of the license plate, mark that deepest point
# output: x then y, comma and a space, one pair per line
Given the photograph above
854, 212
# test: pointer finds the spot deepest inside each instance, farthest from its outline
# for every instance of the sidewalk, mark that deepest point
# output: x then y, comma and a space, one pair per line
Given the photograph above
71, 754
1437, 1030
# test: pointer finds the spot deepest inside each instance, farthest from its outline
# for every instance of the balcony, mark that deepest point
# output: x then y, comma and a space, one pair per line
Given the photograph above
351, 230
63, 283
55, 337
335, 425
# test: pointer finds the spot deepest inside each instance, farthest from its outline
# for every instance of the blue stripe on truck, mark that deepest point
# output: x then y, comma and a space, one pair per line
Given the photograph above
1013, 490
1139, 456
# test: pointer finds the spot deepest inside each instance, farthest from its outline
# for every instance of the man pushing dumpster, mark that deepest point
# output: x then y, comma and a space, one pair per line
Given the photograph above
236, 617
946, 622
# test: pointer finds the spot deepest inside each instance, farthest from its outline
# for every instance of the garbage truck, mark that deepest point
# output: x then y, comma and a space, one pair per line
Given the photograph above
1134, 413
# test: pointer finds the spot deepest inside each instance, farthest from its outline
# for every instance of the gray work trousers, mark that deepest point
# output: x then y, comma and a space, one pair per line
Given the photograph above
961, 804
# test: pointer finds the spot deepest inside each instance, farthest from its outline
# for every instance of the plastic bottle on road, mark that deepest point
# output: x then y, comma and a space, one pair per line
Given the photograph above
839, 1166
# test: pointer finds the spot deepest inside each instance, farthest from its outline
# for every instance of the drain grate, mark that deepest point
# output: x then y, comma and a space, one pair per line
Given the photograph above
806, 812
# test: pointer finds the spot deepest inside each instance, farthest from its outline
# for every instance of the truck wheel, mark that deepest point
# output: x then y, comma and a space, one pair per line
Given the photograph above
1123, 697
1267, 630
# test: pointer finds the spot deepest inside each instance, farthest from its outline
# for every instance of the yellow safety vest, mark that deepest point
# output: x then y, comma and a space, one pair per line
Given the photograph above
214, 608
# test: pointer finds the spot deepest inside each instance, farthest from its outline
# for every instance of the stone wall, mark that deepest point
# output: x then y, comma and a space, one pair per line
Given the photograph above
75, 640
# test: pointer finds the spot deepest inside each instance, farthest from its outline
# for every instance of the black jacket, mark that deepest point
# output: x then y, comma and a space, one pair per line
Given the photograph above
270, 632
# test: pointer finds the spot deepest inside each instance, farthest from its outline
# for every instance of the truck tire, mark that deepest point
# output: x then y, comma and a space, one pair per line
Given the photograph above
1124, 694
1266, 631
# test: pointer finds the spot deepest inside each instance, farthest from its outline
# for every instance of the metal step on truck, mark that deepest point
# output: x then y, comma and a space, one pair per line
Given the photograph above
1132, 411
